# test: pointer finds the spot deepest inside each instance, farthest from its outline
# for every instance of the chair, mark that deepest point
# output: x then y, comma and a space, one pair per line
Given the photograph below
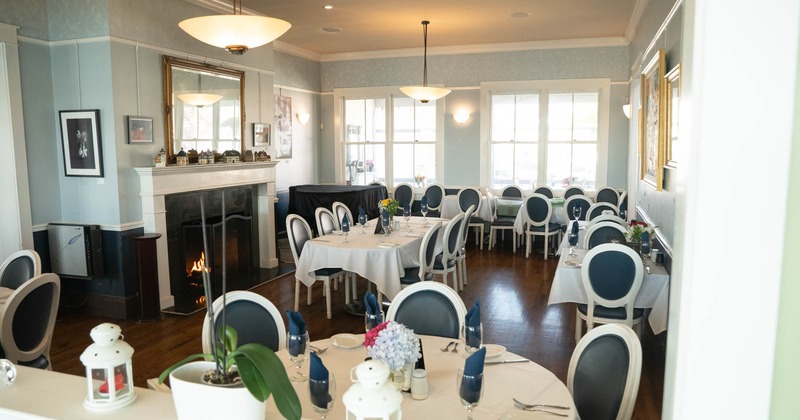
326, 221
429, 308
376, 184
340, 210
461, 258
604, 373
427, 256
607, 195
403, 193
538, 211
545, 191
501, 223
511, 191
608, 218
612, 275
573, 190
469, 197
435, 194
578, 200
27, 321
254, 317
603, 233
20, 267
597, 209
445, 263
299, 233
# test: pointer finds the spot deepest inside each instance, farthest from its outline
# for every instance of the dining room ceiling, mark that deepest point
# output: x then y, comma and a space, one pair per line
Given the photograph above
357, 26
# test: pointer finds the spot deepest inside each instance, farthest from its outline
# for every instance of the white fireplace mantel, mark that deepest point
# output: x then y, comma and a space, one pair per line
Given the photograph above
158, 182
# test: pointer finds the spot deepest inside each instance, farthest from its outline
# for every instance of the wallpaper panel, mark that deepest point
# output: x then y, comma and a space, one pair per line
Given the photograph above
70, 19
29, 15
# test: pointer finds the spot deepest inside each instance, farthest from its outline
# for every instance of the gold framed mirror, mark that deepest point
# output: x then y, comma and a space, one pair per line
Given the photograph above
203, 106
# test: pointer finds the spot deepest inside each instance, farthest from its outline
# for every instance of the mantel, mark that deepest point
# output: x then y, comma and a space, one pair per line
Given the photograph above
156, 183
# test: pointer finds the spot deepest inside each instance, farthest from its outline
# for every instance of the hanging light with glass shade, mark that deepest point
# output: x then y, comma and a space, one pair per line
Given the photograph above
200, 99
425, 93
236, 33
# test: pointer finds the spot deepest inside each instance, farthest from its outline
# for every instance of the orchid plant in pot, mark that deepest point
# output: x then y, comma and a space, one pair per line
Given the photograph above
234, 380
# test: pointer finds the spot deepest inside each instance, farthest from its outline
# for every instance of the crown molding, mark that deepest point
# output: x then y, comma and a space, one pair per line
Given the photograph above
296, 51
639, 7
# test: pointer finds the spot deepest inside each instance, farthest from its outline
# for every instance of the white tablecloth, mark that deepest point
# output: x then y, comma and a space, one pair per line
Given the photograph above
378, 258
450, 208
654, 293
527, 382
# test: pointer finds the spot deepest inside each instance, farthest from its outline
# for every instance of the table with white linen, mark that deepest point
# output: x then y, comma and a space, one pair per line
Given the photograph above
559, 215
654, 294
582, 227
378, 258
528, 382
451, 209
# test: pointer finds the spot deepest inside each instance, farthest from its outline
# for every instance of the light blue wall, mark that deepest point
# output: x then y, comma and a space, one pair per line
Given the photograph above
291, 70
462, 142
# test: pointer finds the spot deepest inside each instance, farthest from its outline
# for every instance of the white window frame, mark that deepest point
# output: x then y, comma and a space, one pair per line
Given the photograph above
543, 88
387, 93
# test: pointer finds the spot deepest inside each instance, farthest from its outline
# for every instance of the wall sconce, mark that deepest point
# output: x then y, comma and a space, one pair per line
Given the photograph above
302, 117
626, 109
461, 117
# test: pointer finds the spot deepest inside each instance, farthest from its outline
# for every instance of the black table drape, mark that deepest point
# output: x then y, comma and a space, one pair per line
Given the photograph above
304, 199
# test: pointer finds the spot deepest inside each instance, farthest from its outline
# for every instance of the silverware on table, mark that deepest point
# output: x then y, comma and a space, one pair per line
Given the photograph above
501, 362
318, 350
526, 405
542, 410
447, 347
455, 348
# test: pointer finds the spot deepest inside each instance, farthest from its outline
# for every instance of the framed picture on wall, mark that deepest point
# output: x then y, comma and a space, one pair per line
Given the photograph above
140, 130
652, 122
80, 137
672, 86
261, 134
283, 124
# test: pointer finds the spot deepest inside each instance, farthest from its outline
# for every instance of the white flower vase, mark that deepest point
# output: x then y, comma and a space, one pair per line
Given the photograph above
195, 400
401, 378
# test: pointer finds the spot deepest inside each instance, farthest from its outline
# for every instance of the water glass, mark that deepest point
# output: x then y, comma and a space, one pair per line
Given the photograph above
407, 215
372, 321
322, 394
424, 210
362, 220
472, 337
470, 390
576, 212
297, 346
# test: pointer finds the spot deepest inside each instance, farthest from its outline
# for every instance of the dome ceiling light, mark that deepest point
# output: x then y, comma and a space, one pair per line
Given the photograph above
425, 93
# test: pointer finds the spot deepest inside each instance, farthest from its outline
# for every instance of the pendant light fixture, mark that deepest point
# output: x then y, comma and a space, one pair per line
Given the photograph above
425, 93
200, 99
236, 33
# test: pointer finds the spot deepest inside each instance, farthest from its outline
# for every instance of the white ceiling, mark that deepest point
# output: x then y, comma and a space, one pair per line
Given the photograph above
380, 25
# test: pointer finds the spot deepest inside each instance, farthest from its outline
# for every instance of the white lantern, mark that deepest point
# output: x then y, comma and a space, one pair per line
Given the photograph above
372, 396
109, 375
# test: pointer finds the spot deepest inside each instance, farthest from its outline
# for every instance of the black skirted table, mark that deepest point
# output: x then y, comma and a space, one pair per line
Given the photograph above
304, 199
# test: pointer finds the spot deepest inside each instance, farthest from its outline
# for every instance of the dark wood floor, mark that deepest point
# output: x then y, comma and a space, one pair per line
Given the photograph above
513, 293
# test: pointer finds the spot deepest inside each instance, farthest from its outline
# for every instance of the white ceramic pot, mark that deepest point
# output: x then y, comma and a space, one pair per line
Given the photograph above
195, 400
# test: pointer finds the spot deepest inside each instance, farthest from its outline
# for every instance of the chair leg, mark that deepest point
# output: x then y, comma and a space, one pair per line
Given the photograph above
309, 296
464, 271
578, 327
457, 285
355, 286
514, 241
328, 297
481, 237
296, 295
491, 238
346, 288
527, 246
546, 243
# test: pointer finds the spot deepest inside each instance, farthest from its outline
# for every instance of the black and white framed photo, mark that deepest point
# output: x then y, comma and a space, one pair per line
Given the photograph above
80, 136
140, 130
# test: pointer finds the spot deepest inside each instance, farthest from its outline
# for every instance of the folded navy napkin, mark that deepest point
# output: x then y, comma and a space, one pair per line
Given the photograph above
472, 380
424, 201
361, 211
318, 385
645, 238
345, 224
371, 303
297, 326
473, 319
573, 236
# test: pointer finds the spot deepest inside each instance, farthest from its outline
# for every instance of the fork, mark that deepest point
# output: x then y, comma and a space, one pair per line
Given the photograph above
447, 347
526, 406
455, 348
318, 350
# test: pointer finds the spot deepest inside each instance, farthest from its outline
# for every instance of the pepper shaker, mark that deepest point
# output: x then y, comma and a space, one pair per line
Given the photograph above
419, 384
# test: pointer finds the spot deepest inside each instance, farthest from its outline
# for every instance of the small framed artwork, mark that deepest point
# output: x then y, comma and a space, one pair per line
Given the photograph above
140, 130
80, 137
672, 86
652, 122
261, 134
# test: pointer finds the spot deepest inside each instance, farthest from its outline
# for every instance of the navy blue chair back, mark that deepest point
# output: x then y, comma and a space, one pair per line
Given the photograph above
607, 195
511, 191
429, 312
604, 235
584, 203
404, 194
17, 271
252, 322
600, 378
435, 194
537, 209
545, 191
569, 192
468, 197
299, 233
612, 274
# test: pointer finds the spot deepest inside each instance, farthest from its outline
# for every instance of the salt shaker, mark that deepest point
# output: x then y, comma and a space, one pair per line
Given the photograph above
653, 255
419, 384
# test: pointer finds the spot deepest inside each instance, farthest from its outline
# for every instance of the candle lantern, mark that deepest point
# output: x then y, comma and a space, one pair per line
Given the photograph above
372, 396
109, 375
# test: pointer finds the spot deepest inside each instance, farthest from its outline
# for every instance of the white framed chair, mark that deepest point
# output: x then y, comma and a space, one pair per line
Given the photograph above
461, 258
254, 317
299, 233
603, 233
427, 256
469, 197
538, 212
404, 193
503, 223
607, 195
612, 276
429, 308
20, 267
573, 190
545, 191
376, 184
608, 218
597, 209
326, 221
578, 200
445, 263
435, 194
340, 210
512, 191
604, 373
27, 321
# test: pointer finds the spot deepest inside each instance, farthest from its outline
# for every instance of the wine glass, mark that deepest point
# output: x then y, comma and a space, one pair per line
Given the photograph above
424, 210
576, 212
573, 241
407, 216
345, 228
372, 321
470, 390
472, 337
362, 220
297, 345
322, 394
385, 223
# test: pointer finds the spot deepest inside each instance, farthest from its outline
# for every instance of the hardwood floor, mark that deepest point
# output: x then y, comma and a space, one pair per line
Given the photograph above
513, 293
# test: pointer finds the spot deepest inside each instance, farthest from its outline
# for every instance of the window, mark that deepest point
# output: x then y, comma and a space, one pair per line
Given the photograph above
546, 133
197, 128
382, 135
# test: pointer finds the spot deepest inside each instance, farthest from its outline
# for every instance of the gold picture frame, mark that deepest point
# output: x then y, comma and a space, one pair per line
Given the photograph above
652, 122
672, 88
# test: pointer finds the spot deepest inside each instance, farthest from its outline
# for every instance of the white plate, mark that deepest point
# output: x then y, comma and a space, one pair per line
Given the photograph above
386, 245
572, 263
346, 341
494, 350
526, 415
336, 232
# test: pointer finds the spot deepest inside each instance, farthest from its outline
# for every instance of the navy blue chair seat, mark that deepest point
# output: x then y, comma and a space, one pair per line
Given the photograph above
412, 276
552, 227
504, 221
438, 265
326, 272
610, 313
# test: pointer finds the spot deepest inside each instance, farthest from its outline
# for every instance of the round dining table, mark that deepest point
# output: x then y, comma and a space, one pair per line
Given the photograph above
526, 381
